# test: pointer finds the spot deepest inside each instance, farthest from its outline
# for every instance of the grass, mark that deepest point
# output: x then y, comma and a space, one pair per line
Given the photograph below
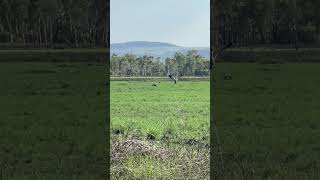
268, 119
140, 106
267, 116
171, 116
54, 55
52, 121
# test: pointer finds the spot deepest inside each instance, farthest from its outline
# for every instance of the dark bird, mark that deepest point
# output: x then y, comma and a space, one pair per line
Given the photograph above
155, 84
173, 78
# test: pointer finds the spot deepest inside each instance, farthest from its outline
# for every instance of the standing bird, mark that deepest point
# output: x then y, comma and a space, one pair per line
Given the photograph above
173, 78
155, 84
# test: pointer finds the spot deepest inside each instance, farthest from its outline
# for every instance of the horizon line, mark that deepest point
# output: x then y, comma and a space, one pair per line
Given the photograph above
160, 42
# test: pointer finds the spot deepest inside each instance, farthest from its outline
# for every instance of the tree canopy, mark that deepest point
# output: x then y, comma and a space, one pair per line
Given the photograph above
81, 23
246, 22
189, 64
42, 23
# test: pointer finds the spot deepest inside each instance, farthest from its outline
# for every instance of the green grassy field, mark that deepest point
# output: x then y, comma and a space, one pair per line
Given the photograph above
52, 121
267, 116
171, 116
155, 110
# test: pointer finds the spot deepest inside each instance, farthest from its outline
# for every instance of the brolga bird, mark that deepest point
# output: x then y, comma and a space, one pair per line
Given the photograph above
175, 79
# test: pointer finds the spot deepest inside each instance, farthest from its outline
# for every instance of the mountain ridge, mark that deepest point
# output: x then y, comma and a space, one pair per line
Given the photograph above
162, 50
143, 44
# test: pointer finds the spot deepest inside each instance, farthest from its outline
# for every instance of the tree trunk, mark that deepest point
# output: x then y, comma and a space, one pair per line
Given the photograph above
97, 23
71, 30
1, 28
296, 24
17, 30
40, 39
45, 32
76, 36
10, 29
51, 33
23, 34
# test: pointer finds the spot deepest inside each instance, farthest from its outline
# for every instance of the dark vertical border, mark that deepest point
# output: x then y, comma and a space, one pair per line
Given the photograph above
212, 38
108, 86
216, 164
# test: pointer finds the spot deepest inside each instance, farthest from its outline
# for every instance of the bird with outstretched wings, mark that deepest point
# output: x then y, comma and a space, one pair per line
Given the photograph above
173, 78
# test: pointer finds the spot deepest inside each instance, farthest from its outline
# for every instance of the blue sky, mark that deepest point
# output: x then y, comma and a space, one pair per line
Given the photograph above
181, 22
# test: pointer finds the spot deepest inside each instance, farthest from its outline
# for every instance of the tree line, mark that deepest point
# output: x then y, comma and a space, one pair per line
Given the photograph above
80, 23
246, 22
188, 64
43, 23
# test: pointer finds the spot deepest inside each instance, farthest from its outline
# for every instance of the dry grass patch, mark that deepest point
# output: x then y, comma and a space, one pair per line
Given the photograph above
137, 159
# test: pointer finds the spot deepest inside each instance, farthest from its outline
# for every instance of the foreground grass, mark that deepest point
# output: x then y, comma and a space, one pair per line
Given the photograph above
268, 117
171, 116
52, 117
182, 109
52, 121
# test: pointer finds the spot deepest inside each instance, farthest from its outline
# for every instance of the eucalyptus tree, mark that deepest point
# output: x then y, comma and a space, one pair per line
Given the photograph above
189, 64
132, 64
114, 64
6, 9
48, 10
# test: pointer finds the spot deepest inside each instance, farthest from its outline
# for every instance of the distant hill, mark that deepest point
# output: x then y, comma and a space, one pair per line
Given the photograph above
157, 49
142, 44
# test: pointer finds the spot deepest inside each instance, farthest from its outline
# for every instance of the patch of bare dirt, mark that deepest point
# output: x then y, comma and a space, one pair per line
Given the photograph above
121, 150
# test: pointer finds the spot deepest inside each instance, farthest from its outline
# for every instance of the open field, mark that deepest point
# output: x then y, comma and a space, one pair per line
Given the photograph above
268, 119
267, 116
52, 121
175, 117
